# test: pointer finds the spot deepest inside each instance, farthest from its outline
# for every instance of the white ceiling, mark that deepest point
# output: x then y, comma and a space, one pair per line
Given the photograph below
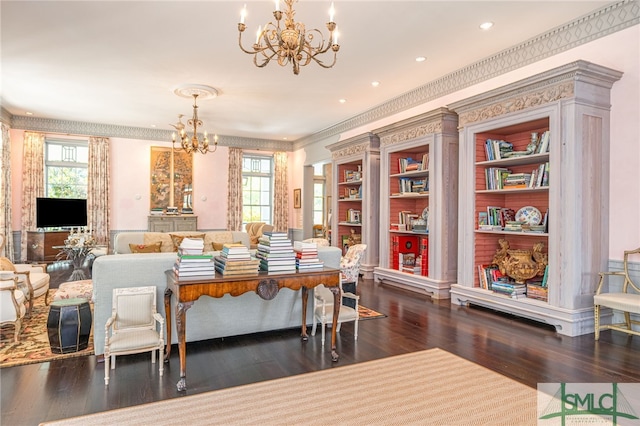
118, 62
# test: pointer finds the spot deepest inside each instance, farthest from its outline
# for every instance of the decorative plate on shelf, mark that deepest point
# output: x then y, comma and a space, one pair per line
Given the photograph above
530, 215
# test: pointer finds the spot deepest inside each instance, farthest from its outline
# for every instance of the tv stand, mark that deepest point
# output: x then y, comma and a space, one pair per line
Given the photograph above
40, 245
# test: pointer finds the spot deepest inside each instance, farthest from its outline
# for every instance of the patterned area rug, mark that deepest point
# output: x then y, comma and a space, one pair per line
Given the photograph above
366, 313
33, 346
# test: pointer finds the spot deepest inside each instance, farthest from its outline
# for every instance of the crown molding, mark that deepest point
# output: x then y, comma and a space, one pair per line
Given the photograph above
599, 23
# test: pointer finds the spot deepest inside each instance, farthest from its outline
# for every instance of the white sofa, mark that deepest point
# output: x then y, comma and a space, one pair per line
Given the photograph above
208, 318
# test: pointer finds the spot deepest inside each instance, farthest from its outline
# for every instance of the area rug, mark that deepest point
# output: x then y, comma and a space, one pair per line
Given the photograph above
431, 387
33, 346
366, 313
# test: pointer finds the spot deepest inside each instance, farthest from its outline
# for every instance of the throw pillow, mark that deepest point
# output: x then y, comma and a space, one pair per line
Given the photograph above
177, 239
159, 237
213, 237
145, 248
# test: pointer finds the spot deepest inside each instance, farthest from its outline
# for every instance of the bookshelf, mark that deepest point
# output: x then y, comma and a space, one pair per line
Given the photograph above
571, 103
355, 199
418, 207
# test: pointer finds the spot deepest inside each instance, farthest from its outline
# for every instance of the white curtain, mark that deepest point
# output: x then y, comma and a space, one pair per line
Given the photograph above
98, 189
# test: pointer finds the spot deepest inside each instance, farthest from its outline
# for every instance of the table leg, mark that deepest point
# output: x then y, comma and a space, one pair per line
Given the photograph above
305, 298
167, 313
336, 311
181, 328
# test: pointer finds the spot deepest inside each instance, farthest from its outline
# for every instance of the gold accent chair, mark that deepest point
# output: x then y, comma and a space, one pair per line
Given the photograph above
12, 307
34, 276
627, 300
133, 327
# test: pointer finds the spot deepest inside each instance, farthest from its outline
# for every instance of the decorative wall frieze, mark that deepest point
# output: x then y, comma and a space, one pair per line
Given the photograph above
78, 128
440, 120
349, 151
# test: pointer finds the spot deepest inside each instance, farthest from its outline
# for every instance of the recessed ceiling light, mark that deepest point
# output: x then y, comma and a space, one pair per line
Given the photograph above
342, 101
153, 125
285, 138
29, 113
421, 59
486, 25
375, 83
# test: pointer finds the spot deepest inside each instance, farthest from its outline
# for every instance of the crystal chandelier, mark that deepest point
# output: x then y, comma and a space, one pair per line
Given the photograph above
290, 43
193, 143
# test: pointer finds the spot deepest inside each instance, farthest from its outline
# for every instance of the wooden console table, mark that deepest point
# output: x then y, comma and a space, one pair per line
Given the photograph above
264, 285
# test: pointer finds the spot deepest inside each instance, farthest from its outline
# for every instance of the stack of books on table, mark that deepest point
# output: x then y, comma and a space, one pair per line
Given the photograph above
192, 262
307, 256
275, 252
235, 259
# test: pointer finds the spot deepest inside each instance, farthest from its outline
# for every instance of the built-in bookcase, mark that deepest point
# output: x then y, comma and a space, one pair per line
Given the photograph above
355, 196
418, 204
570, 105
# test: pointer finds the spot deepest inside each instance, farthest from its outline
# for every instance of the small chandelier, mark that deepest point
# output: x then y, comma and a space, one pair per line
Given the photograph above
193, 144
290, 44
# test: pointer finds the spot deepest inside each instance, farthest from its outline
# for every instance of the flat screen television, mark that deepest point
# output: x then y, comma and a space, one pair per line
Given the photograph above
60, 212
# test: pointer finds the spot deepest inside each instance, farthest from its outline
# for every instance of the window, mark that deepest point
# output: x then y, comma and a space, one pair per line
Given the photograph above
66, 168
257, 188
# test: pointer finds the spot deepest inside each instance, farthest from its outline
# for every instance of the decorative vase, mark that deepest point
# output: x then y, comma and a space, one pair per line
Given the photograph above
520, 266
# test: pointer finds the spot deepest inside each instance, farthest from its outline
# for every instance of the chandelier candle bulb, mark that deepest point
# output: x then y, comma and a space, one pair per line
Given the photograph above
258, 34
277, 5
332, 12
243, 14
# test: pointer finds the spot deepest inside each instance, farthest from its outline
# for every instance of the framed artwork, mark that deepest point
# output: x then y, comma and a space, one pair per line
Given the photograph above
171, 178
297, 198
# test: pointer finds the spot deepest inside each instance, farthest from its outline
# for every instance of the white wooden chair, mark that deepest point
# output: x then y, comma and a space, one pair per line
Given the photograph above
627, 300
12, 304
133, 327
323, 310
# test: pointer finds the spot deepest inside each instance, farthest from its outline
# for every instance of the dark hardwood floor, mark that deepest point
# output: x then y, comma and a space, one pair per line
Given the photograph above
525, 351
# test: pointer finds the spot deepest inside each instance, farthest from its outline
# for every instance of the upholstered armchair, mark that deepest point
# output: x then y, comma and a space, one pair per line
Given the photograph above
34, 276
255, 231
626, 300
350, 263
134, 327
12, 307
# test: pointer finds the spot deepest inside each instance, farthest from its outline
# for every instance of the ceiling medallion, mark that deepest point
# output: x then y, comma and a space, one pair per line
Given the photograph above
290, 43
193, 143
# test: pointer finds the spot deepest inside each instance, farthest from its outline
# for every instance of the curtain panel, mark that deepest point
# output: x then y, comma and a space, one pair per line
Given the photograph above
234, 197
98, 189
32, 183
280, 193
6, 228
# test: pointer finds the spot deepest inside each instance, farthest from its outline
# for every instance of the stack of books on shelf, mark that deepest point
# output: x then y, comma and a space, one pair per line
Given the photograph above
235, 259
509, 288
192, 262
496, 149
537, 287
275, 253
411, 165
416, 186
410, 263
307, 256
516, 181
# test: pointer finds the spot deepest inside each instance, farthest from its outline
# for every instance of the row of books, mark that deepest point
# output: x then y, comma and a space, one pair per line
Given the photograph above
353, 216
504, 178
411, 165
490, 278
419, 186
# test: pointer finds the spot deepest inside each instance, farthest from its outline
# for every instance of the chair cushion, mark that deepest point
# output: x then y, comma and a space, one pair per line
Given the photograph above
74, 289
621, 301
130, 340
